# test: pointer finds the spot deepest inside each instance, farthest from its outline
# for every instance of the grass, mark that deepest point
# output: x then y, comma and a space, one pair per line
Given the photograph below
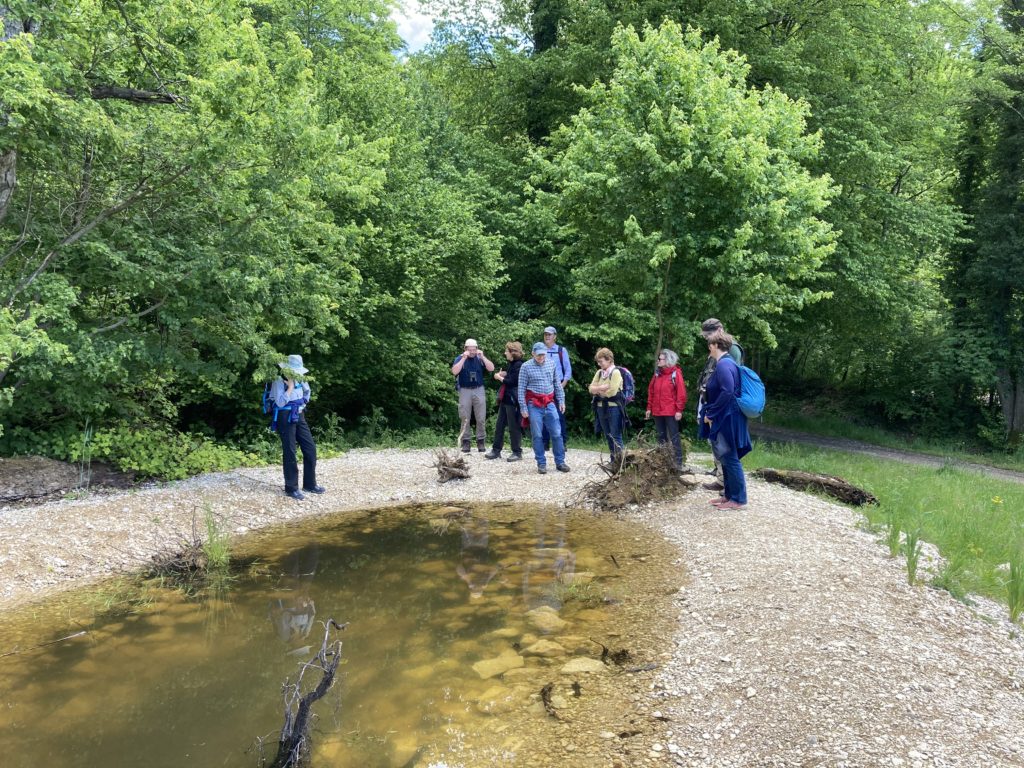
790, 415
976, 522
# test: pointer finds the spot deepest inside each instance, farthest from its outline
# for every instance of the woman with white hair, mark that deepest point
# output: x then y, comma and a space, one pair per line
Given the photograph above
666, 399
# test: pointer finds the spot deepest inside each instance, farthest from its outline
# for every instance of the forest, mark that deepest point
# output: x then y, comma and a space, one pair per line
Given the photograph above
191, 190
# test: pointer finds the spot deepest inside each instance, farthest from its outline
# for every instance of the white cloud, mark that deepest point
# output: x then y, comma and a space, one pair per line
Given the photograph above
414, 26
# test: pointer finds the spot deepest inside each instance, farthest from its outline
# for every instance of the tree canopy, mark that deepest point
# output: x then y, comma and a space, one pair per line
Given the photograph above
192, 189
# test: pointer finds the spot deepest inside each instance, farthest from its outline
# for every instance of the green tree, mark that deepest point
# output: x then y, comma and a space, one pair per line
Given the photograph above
683, 193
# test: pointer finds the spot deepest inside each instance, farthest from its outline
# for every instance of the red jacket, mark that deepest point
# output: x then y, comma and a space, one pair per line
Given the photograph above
665, 397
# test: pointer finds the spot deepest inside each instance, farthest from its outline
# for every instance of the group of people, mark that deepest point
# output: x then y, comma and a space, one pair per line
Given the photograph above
532, 396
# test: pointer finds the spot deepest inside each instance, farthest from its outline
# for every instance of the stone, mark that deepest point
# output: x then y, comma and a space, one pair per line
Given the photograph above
496, 700
583, 666
499, 665
546, 620
545, 648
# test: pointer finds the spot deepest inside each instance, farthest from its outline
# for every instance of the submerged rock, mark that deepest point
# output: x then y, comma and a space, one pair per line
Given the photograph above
583, 666
546, 619
545, 648
499, 665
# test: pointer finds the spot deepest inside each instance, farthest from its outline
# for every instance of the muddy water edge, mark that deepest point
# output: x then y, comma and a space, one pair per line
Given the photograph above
494, 634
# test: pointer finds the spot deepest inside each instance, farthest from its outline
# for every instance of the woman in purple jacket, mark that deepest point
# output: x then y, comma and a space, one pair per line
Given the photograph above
722, 422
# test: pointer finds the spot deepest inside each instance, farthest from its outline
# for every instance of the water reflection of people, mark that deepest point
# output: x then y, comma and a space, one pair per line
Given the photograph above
550, 562
476, 567
292, 615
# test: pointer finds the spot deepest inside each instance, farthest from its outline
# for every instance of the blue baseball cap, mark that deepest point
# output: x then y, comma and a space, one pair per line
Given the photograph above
539, 348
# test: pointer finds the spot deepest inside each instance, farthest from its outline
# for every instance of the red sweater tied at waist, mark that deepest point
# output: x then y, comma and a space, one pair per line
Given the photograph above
541, 401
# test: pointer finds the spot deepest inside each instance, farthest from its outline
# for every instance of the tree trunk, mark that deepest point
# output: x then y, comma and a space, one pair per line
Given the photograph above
12, 26
1011, 400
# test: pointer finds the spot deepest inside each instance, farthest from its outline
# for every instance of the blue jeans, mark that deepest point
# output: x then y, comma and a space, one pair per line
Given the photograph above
610, 419
561, 424
541, 419
732, 471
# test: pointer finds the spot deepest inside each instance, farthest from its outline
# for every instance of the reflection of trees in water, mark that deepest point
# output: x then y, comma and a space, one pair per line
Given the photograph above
549, 561
293, 613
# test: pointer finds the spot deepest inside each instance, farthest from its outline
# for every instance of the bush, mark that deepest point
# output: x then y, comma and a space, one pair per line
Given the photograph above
150, 452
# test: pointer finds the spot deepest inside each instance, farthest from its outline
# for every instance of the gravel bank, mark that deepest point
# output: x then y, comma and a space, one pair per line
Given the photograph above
798, 641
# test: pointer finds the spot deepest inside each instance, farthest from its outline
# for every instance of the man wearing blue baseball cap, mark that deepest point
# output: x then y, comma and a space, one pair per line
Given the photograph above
557, 355
541, 400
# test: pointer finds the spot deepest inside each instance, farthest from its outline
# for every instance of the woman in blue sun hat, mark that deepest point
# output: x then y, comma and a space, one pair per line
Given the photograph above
290, 396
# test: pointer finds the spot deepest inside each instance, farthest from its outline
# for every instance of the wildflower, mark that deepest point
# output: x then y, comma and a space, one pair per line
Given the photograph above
997, 499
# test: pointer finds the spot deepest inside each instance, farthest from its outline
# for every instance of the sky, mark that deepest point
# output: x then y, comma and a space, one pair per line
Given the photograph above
413, 25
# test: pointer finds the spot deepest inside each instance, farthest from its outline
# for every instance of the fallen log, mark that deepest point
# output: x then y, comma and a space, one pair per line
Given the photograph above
835, 487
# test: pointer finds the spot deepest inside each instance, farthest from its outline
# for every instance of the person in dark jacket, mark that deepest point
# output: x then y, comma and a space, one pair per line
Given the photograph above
707, 328
723, 423
508, 407
666, 400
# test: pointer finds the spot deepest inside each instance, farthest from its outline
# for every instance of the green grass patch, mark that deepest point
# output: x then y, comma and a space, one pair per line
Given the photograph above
977, 522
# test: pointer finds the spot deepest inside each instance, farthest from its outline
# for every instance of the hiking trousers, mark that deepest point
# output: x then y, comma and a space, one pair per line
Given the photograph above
292, 433
508, 415
668, 432
472, 404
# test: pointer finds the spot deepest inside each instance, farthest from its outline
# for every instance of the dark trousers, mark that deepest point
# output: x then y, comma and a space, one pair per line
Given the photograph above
610, 419
290, 435
508, 415
546, 437
668, 432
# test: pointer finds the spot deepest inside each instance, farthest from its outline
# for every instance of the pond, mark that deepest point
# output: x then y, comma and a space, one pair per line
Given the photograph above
457, 618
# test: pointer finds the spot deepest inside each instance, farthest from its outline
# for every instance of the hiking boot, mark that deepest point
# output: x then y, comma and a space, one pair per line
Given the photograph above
562, 467
492, 454
515, 457
315, 489
480, 446
465, 448
296, 494
542, 470
714, 486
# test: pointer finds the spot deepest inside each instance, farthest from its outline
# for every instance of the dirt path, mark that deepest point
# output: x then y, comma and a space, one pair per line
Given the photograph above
782, 435
798, 642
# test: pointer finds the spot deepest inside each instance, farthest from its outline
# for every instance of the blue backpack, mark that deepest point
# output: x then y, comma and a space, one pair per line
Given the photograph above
628, 386
752, 395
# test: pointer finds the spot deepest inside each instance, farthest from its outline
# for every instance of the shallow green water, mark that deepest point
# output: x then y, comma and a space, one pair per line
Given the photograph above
427, 593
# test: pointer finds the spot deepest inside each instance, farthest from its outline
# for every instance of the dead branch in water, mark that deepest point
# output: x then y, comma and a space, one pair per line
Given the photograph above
450, 466
835, 487
293, 746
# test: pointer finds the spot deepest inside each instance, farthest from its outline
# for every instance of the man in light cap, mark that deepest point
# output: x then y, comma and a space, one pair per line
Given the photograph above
468, 370
563, 369
541, 400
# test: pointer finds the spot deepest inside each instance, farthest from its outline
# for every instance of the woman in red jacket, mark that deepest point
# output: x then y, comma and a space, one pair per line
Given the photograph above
666, 399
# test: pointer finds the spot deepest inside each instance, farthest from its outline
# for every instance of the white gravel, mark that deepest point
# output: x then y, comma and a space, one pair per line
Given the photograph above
799, 641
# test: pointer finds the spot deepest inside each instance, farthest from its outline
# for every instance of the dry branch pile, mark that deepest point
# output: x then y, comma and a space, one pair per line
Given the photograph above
450, 466
835, 487
646, 473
